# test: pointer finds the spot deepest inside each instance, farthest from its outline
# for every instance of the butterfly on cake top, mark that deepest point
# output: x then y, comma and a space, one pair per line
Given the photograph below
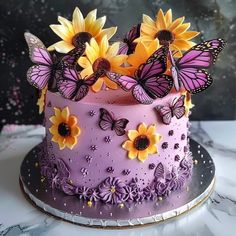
86, 61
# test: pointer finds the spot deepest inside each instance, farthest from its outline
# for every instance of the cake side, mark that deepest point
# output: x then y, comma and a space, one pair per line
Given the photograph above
98, 160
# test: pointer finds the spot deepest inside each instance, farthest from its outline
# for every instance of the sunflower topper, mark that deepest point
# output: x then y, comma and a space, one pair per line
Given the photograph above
155, 57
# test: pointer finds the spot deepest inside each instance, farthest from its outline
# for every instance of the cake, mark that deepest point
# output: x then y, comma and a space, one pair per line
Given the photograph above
117, 115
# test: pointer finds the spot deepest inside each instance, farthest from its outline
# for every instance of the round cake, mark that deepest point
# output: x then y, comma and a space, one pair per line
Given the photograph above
117, 120
102, 161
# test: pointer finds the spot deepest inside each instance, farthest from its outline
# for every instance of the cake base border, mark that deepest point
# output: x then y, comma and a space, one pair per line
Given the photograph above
200, 156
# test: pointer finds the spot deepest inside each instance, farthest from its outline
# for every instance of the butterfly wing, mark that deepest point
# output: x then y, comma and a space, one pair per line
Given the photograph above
70, 60
165, 113
124, 81
159, 86
123, 48
195, 80
141, 95
71, 86
202, 55
120, 125
155, 64
92, 79
106, 119
178, 108
38, 76
133, 33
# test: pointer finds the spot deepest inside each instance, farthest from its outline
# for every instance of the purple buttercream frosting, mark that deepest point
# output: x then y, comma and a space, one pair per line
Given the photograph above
112, 190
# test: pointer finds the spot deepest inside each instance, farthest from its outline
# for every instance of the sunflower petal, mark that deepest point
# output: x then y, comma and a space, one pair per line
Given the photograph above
72, 121
65, 113
152, 149
53, 130
151, 130
142, 129
181, 29
133, 154
148, 20
128, 145
182, 44
66, 23
142, 155
109, 32
75, 131
113, 50
104, 45
78, 21
62, 32
98, 85
61, 46
187, 35
84, 62
160, 21
70, 142
132, 134
110, 84
98, 25
90, 20
176, 23
168, 18
149, 30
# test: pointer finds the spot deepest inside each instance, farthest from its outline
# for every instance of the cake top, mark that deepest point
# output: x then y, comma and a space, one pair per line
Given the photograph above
155, 57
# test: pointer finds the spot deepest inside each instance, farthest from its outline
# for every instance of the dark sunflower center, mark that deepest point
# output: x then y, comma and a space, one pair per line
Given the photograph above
81, 38
141, 142
101, 65
165, 37
64, 129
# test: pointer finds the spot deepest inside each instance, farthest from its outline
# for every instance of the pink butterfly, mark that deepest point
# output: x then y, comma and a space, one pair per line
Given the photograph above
107, 121
148, 82
177, 109
188, 70
48, 69
73, 87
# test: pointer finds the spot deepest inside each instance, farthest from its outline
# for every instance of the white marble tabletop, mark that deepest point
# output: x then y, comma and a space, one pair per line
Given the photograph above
217, 216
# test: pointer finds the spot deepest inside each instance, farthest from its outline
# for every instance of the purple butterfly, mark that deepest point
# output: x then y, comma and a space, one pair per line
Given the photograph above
73, 87
107, 121
148, 82
48, 69
188, 70
177, 109
127, 46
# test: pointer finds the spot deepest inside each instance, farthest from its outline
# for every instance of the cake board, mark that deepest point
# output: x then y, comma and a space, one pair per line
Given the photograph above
71, 209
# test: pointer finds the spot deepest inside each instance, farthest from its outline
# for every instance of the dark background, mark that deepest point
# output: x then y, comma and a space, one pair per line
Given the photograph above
214, 18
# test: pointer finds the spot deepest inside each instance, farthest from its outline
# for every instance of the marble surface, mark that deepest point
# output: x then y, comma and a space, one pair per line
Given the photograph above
217, 216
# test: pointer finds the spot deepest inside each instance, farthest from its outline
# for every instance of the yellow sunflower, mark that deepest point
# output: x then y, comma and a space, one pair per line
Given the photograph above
167, 31
79, 30
41, 100
141, 53
142, 142
187, 103
102, 57
64, 128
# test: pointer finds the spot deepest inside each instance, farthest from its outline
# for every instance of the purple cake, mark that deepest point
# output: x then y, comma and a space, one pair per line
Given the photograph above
117, 115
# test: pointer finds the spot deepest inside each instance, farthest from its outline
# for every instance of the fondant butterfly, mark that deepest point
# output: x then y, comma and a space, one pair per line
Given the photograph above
127, 46
148, 82
73, 87
176, 109
47, 69
188, 70
108, 122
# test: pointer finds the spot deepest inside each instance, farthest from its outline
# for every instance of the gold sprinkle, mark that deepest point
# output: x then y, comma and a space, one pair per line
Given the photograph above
160, 199
113, 189
187, 188
195, 162
70, 181
42, 179
89, 203
121, 205
36, 164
